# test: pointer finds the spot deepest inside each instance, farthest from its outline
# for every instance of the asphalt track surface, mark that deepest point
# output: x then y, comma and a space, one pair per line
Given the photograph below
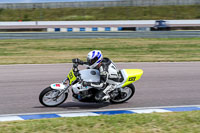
162, 84
59, 35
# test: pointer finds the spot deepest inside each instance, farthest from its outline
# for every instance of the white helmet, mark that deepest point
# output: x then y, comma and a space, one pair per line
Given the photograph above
94, 58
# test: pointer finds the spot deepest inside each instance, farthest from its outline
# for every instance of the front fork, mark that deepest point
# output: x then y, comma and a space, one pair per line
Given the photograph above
66, 89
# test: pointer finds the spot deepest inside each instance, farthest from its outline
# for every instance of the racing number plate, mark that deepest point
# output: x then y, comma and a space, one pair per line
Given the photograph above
71, 76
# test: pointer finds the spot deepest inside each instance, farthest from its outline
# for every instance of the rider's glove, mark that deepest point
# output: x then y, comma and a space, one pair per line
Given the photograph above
86, 83
78, 61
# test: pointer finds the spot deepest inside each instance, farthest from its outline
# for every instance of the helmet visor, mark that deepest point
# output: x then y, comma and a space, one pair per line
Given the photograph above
92, 61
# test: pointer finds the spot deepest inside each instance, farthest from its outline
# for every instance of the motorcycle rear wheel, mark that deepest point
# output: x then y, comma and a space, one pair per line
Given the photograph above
128, 95
47, 97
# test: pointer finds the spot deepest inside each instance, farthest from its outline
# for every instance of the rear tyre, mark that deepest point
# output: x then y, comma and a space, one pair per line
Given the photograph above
48, 97
126, 93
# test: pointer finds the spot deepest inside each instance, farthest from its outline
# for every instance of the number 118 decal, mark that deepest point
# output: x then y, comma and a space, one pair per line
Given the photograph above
132, 79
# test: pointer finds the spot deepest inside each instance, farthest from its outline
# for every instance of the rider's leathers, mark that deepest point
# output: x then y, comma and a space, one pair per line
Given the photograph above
108, 78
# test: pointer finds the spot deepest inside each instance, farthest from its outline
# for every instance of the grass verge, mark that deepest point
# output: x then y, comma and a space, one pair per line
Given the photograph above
102, 13
119, 50
181, 122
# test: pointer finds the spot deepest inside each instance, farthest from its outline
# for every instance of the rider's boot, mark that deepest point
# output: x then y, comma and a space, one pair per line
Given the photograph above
99, 96
103, 95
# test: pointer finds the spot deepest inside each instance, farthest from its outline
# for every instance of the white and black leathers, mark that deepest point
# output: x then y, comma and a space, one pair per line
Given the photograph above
108, 77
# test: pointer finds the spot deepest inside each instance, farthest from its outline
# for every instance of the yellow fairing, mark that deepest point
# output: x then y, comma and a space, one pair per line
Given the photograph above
132, 75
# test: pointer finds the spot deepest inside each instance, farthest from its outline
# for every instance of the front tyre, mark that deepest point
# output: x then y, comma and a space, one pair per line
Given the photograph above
48, 97
124, 95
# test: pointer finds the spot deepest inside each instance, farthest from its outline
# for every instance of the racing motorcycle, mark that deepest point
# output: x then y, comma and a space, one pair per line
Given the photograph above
57, 93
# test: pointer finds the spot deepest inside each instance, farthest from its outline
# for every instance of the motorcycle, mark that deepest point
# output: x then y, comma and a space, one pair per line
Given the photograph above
57, 93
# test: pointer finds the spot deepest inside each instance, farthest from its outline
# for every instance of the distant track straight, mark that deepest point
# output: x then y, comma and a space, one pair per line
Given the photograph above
131, 34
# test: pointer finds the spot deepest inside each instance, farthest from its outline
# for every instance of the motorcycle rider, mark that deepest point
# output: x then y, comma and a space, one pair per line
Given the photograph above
108, 73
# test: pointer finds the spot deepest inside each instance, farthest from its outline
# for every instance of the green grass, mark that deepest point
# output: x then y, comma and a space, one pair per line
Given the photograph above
119, 50
182, 122
102, 13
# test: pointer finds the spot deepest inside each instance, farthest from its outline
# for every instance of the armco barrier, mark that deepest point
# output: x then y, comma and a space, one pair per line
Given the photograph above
84, 29
94, 26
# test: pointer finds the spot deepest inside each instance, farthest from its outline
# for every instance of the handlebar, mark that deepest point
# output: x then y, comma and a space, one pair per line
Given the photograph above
77, 62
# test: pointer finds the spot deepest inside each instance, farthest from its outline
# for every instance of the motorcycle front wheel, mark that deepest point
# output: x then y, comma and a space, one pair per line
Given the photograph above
48, 97
126, 93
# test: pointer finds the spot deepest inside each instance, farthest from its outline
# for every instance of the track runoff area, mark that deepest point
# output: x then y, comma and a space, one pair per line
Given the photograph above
121, 34
164, 87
